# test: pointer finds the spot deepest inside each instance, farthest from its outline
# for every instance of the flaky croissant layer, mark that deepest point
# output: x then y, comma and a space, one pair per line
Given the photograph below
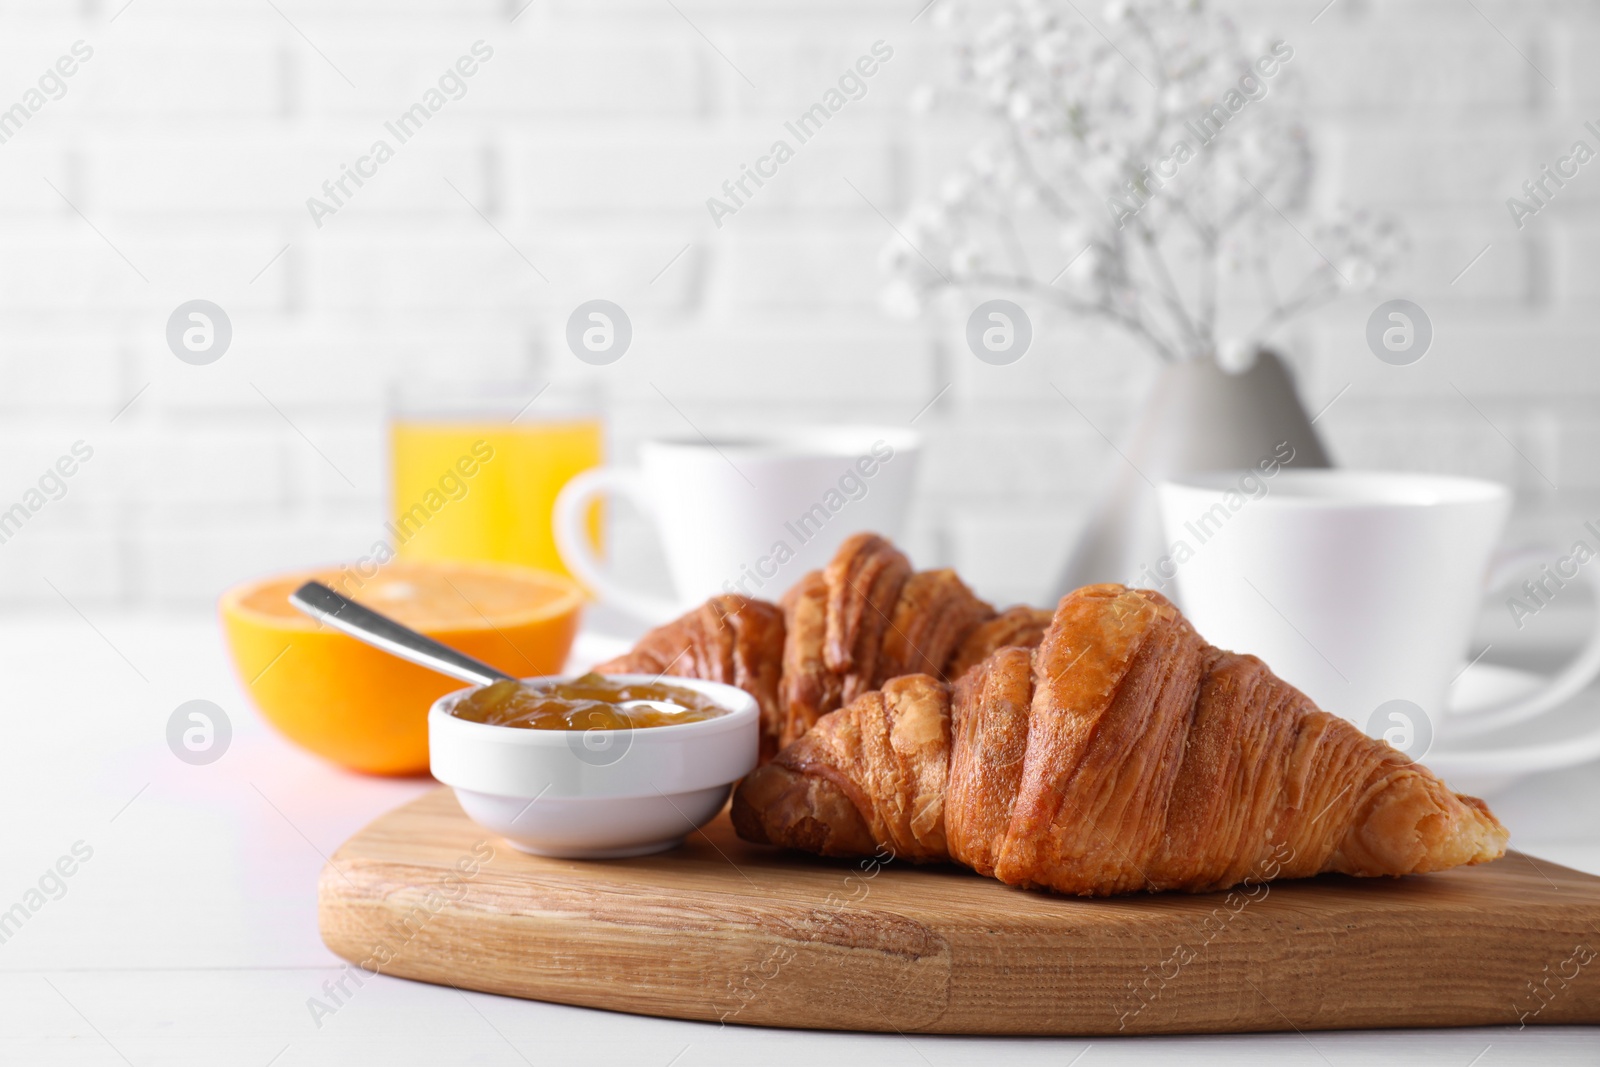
840, 632
1124, 753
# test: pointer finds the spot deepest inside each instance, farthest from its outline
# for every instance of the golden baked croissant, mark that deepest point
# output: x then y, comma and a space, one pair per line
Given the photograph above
840, 632
732, 639
1124, 753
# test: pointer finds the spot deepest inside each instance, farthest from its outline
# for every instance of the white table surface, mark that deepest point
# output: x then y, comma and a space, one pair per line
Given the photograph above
190, 936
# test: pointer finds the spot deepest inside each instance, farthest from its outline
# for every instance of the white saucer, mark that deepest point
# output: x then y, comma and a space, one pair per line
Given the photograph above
590, 648
1486, 764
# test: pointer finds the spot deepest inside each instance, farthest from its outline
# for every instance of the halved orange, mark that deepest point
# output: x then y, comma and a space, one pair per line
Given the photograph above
365, 709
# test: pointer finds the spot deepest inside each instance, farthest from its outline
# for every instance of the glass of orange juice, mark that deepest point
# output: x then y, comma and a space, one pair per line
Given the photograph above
474, 473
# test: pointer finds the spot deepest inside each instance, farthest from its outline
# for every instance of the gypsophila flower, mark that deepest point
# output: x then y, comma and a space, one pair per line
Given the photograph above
1193, 169
1236, 355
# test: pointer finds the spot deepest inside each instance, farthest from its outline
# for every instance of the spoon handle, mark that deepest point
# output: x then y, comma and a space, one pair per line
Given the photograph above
380, 631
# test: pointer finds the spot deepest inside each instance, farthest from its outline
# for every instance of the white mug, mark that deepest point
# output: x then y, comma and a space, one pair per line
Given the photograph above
744, 515
1359, 588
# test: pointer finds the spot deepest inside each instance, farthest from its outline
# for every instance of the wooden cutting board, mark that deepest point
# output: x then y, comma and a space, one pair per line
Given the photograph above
723, 930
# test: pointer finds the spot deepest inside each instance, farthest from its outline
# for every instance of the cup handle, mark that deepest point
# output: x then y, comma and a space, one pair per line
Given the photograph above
572, 539
1559, 687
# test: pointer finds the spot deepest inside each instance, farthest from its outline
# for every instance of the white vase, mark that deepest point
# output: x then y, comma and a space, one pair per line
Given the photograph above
1198, 417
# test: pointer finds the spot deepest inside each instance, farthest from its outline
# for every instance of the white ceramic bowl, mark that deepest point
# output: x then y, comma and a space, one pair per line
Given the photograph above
596, 794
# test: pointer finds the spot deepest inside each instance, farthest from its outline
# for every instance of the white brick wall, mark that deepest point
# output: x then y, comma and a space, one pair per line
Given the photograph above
192, 138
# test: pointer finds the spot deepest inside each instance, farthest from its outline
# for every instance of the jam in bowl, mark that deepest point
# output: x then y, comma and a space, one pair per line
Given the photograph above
591, 702
592, 766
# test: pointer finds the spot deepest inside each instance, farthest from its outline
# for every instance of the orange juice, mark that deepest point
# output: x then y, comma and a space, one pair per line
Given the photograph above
471, 489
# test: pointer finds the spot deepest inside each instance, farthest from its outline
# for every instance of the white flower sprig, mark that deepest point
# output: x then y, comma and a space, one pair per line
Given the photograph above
1150, 144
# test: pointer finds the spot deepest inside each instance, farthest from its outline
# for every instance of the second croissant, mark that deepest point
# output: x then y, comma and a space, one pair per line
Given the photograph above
839, 632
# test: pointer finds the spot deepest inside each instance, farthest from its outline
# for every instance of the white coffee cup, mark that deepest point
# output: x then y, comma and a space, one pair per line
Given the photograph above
1359, 588
744, 515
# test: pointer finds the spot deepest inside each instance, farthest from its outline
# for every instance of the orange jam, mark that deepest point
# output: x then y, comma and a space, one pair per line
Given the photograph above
592, 702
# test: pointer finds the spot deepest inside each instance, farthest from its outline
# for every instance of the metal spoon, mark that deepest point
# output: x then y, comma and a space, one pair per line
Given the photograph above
380, 631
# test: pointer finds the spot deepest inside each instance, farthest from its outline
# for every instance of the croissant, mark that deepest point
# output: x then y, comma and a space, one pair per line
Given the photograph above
837, 633
733, 639
1125, 753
